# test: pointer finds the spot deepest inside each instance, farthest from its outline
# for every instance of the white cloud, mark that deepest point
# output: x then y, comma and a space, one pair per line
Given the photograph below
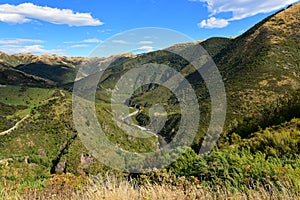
82, 43
104, 31
20, 41
12, 18
92, 40
25, 12
79, 46
240, 9
145, 42
120, 42
146, 48
213, 23
34, 49
150, 37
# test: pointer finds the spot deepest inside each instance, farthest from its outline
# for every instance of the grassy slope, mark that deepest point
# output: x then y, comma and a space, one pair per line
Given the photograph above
47, 138
235, 173
60, 74
260, 70
12, 76
17, 102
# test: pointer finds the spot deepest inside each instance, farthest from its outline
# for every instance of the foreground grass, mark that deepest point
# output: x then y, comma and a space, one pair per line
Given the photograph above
227, 174
110, 187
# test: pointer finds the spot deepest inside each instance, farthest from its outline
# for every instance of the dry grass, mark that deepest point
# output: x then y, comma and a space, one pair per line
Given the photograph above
119, 189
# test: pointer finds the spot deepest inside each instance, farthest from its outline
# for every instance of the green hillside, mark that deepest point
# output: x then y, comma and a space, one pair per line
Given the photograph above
12, 76
260, 70
46, 141
60, 70
261, 73
60, 74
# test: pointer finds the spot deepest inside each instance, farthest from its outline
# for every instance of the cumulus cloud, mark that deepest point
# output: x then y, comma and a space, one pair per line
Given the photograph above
213, 23
239, 9
12, 18
34, 49
146, 48
26, 12
20, 41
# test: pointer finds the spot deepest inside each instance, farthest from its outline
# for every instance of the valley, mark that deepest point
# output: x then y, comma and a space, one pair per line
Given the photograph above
258, 150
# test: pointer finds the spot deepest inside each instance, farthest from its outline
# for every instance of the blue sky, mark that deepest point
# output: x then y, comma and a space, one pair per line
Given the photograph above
76, 27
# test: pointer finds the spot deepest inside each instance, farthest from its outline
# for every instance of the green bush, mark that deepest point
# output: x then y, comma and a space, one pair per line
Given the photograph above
238, 169
39, 160
280, 141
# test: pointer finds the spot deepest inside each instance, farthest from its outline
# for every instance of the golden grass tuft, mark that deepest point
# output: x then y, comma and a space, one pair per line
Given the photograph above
113, 188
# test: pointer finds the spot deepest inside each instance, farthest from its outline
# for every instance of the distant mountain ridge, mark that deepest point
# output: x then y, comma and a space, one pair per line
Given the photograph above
60, 70
60, 74
23, 59
12, 76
